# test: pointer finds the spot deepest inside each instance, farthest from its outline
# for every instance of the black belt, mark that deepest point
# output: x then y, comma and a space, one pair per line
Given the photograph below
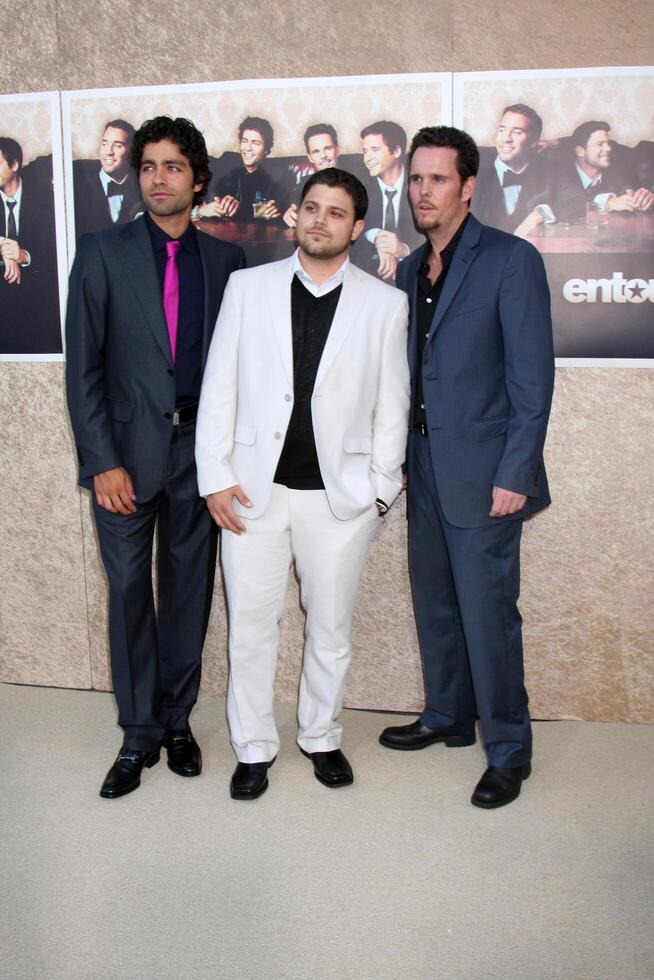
187, 413
421, 428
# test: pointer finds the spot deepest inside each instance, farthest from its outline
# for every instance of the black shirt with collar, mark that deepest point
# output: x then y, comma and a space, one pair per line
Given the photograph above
427, 300
190, 323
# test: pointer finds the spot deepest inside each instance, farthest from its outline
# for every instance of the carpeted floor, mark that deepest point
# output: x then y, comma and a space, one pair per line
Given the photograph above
395, 878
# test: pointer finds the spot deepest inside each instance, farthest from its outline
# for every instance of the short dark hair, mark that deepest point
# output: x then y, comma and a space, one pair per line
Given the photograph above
334, 177
11, 151
262, 126
467, 154
126, 127
316, 130
584, 132
530, 114
392, 134
185, 135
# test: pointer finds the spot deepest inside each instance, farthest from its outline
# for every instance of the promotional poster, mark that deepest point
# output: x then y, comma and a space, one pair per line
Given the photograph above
32, 241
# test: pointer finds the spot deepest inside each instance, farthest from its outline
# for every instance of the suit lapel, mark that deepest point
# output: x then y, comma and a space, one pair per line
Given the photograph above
463, 258
138, 260
279, 301
350, 302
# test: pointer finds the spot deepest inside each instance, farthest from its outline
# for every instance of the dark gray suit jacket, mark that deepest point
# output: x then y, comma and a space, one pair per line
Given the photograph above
119, 369
487, 371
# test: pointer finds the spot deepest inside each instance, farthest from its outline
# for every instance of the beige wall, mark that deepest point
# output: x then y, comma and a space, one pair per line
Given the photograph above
587, 579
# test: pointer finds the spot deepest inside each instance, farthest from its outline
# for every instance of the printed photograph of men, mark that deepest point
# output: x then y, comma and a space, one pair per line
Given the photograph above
30, 320
567, 162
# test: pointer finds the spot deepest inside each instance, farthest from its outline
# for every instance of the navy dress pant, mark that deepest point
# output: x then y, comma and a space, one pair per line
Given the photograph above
466, 583
156, 655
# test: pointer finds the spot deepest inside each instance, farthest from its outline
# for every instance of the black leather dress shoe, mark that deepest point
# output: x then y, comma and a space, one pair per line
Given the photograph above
249, 780
184, 756
499, 785
125, 774
418, 736
331, 768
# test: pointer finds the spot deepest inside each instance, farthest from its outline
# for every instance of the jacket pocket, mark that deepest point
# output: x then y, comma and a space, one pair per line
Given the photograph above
120, 411
489, 428
358, 444
245, 434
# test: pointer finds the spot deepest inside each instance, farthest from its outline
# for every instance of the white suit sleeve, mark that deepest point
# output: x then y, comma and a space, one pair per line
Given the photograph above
214, 438
390, 427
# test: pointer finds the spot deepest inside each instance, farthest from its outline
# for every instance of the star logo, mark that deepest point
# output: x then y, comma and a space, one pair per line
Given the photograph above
636, 290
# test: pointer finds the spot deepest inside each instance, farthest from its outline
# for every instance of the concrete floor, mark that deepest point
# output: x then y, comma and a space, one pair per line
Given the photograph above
393, 878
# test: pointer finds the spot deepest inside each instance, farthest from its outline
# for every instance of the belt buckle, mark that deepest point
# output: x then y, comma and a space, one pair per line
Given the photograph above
176, 419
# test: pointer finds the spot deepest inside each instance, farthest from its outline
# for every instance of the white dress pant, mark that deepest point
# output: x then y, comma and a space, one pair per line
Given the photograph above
329, 555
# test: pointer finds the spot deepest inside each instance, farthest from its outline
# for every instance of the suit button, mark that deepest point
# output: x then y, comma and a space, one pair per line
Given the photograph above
287, 398
278, 435
168, 415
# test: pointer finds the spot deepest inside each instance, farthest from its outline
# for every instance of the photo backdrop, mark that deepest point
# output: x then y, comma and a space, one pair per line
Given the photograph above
601, 276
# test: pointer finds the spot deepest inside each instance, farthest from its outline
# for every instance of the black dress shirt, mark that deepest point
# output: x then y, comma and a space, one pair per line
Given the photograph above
426, 301
190, 323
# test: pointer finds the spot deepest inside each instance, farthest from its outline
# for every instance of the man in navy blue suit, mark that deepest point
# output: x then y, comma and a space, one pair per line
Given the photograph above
481, 358
142, 304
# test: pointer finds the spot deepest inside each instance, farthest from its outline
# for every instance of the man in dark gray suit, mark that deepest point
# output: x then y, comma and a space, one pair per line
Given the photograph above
480, 353
142, 305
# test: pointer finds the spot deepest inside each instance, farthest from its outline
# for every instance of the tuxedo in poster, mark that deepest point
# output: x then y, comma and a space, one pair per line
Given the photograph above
579, 184
29, 295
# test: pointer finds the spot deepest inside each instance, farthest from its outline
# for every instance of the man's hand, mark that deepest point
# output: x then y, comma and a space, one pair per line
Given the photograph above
114, 491
530, 223
388, 241
290, 216
621, 202
12, 272
210, 210
387, 265
642, 198
10, 249
271, 210
221, 508
506, 502
227, 206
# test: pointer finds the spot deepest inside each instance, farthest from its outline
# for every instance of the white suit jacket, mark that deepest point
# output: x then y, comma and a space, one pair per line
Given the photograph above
360, 402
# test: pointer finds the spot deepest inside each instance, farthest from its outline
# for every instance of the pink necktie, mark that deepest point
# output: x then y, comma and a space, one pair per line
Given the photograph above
171, 293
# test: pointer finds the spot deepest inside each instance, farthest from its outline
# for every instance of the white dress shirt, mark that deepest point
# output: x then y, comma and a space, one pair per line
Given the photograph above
116, 200
314, 288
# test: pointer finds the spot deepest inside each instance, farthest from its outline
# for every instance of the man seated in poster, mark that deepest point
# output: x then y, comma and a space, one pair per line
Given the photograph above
248, 192
323, 151
513, 191
592, 173
106, 191
390, 232
29, 305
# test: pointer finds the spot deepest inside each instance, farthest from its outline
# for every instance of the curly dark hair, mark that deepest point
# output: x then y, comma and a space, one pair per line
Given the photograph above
183, 134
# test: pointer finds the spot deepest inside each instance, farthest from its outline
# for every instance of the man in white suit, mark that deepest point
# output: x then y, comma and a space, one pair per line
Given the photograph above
301, 436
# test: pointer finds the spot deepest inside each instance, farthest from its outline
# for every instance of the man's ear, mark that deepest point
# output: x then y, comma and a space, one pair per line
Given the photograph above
358, 228
468, 188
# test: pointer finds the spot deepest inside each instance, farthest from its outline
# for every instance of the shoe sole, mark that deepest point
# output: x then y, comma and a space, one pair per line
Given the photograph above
451, 742
182, 772
510, 799
108, 795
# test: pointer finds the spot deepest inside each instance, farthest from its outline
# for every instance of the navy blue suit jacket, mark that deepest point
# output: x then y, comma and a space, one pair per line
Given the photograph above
487, 372
119, 369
